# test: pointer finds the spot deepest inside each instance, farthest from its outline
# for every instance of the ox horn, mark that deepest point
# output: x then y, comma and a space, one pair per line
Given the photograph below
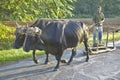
17, 25
27, 24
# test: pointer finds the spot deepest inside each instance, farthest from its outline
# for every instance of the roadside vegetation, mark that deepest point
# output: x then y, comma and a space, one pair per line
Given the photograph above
110, 38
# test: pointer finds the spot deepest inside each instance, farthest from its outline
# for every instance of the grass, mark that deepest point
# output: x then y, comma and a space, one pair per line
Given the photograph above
15, 55
110, 38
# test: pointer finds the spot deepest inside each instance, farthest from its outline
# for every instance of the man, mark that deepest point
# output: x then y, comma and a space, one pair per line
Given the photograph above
98, 20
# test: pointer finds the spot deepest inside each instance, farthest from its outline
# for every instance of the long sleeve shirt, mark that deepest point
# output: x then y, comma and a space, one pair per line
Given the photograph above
98, 19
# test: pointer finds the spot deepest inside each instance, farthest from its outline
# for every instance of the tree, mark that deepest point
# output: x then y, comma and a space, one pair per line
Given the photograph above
34, 9
112, 8
86, 8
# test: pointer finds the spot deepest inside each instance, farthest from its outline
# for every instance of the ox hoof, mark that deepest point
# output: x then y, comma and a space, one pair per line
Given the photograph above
63, 61
36, 61
47, 63
68, 63
56, 69
84, 52
87, 60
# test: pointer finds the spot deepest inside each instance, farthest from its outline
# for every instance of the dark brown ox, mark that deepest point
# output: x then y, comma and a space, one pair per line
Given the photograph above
20, 35
57, 37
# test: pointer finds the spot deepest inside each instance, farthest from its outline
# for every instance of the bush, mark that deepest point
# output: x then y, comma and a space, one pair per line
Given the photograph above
6, 36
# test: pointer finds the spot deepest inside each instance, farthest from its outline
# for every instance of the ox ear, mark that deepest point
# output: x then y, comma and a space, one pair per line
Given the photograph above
17, 25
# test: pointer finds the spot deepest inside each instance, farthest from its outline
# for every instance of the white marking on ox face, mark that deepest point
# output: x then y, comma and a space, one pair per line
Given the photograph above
37, 30
32, 35
33, 31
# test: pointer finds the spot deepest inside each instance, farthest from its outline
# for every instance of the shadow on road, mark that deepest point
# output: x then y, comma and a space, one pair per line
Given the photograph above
25, 71
27, 68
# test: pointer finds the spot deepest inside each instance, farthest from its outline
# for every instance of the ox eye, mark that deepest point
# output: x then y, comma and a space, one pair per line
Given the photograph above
16, 34
21, 36
35, 37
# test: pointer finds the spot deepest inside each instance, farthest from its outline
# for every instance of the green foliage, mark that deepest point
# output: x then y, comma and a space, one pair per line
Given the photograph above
27, 10
6, 36
110, 38
15, 55
111, 8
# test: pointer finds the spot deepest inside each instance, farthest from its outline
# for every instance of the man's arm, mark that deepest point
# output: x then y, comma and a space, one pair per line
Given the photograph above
103, 18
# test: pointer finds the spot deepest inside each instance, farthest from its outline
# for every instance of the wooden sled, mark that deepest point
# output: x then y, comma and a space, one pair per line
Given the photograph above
101, 49
104, 48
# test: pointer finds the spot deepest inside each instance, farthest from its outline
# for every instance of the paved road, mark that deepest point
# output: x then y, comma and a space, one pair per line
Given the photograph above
105, 66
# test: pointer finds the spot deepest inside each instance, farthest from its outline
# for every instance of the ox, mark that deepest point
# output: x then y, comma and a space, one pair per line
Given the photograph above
19, 39
20, 35
56, 37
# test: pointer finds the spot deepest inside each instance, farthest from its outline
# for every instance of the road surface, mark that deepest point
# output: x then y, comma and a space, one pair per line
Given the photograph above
105, 66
